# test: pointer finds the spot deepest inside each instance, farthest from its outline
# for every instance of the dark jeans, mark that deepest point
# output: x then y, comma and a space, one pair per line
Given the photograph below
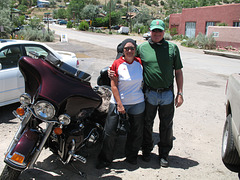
166, 113
134, 137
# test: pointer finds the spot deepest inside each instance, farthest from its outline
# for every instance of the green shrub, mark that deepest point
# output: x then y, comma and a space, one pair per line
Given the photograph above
205, 42
189, 42
179, 37
99, 31
144, 29
69, 24
83, 26
201, 42
36, 35
110, 32
173, 31
222, 24
167, 36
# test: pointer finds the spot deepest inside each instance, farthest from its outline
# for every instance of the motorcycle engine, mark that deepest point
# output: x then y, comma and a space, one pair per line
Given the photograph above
105, 93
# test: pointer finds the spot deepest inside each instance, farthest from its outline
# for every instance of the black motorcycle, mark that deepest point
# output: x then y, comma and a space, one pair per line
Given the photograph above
59, 110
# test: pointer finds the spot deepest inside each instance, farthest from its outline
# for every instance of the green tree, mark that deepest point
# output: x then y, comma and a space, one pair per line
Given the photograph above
22, 8
90, 12
74, 9
18, 20
154, 2
148, 2
143, 16
5, 14
35, 23
61, 13
135, 2
52, 3
113, 6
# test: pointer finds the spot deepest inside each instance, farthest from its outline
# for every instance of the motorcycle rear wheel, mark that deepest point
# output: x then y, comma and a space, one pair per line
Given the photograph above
9, 174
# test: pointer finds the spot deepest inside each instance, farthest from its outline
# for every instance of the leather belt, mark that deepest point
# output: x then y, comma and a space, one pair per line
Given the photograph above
160, 89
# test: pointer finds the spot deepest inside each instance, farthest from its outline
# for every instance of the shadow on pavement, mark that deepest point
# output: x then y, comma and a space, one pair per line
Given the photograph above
6, 112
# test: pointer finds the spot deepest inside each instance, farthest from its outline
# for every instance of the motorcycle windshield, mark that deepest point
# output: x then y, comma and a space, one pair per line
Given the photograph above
59, 83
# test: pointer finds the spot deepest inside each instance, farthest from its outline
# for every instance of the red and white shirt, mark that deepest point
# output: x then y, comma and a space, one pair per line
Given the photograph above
130, 78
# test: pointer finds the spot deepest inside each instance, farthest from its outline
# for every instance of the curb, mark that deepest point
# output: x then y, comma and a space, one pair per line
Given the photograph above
225, 54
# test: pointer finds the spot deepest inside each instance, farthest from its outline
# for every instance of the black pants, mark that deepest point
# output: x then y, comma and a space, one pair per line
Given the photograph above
166, 113
134, 137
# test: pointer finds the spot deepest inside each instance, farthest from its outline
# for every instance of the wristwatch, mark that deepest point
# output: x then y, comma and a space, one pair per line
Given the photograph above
181, 94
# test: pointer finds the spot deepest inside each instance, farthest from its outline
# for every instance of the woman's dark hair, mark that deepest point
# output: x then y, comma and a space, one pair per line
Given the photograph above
122, 44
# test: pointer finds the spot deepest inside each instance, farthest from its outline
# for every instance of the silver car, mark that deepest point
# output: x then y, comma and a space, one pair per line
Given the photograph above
11, 79
147, 35
231, 131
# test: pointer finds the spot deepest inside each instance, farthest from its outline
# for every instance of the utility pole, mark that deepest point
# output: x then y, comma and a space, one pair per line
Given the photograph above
110, 15
47, 19
127, 13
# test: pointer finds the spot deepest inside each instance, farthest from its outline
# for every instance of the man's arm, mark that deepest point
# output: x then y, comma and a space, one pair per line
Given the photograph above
179, 81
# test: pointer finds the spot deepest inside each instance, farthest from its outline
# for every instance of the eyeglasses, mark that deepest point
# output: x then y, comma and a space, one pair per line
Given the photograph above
128, 48
157, 30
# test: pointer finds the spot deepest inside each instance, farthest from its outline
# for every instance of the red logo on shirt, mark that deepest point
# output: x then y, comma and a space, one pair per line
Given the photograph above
157, 22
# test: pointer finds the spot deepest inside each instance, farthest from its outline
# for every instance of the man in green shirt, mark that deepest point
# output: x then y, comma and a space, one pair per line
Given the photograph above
161, 62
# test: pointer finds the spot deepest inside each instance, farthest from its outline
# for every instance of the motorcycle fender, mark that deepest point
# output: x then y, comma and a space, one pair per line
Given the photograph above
21, 153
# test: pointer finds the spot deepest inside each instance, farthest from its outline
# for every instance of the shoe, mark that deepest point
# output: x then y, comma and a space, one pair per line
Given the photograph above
130, 161
163, 162
146, 157
102, 164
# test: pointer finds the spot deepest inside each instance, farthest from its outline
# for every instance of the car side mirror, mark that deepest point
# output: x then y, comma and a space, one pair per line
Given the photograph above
0, 66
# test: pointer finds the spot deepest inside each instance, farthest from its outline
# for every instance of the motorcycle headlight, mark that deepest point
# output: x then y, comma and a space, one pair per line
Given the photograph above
44, 109
64, 119
25, 99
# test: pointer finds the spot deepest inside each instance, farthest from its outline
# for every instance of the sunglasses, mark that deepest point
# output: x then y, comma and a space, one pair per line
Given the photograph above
157, 30
128, 48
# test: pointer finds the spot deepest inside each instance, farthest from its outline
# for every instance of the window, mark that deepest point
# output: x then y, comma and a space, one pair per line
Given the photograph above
190, 29
9, 57
236, 24
209, 24
34, 51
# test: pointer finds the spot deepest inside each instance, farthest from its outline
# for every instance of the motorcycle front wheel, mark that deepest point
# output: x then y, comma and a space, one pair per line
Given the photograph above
9, 173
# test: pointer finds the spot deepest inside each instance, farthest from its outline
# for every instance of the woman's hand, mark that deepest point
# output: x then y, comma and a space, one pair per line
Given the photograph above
121, 108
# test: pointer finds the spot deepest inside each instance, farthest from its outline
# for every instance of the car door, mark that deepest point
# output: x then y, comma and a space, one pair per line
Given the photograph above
11, 79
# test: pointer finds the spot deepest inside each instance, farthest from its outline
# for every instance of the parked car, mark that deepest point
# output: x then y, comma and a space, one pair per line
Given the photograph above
123, 30
116, 27
20, 28
62, 22
11, 80
147, 35
58, 20
231, 131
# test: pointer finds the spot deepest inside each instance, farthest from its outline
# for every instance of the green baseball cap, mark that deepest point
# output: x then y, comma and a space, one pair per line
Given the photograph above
157, 24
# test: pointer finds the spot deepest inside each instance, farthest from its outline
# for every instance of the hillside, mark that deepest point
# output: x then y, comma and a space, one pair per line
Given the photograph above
158, 9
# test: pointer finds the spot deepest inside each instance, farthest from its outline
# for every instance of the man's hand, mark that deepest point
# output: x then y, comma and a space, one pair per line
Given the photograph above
178, 100
110, 73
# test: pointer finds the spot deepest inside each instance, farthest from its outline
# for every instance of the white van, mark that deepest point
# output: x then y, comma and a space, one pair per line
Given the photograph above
123, 30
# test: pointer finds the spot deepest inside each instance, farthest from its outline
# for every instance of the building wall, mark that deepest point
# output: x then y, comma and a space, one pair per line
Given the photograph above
220, 13
43, 3
225, 35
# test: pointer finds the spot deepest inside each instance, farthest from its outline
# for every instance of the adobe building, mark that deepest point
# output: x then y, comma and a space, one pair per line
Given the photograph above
193, 21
